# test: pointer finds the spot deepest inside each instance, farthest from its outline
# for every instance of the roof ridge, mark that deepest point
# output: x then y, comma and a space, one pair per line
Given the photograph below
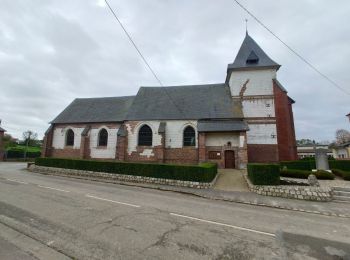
105, 97
184, 86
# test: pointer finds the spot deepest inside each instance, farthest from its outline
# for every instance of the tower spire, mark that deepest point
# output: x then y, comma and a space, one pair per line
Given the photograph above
246, 26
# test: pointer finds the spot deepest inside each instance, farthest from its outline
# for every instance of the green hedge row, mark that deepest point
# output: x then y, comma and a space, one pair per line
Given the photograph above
302, 174
308, 165
345, 175
205, 172
18, 154
340, 164
264, 174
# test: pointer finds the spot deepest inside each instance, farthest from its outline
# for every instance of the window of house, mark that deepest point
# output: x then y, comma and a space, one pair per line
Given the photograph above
214, 155
103, 137
189, 136
70, 138
145, 136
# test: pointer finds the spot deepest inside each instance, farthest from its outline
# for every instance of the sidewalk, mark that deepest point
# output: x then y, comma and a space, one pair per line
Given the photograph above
336, 209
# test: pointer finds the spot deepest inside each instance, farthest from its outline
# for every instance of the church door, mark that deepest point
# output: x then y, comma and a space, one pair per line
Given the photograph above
229, 159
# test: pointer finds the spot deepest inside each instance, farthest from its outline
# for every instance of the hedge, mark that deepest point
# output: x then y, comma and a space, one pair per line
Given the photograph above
340, 164
345, 175
306, 165
205, 172
310, 164
264, 174
19, 154
301, 174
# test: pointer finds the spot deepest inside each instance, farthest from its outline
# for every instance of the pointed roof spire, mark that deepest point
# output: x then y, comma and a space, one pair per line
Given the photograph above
250, 56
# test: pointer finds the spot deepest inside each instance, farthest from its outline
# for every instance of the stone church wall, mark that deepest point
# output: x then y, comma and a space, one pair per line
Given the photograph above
258, 82
79, 149
109, 151
255, 89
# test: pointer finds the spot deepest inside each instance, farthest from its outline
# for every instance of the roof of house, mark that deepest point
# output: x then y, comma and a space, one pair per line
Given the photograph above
222, 126
211, 101
250, 55
2, 129
348, 114
95, 110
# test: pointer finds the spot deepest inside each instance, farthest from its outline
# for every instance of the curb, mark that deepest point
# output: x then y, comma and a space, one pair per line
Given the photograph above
170, 188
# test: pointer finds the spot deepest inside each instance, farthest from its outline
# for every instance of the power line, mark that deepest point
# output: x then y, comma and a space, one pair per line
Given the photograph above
134, 44
292, 50
143, 58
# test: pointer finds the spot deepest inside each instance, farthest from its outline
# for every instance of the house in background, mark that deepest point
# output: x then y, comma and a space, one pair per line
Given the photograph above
341, 151
308, 150
248, 118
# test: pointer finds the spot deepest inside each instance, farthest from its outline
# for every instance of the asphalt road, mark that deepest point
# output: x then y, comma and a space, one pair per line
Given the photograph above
56, 217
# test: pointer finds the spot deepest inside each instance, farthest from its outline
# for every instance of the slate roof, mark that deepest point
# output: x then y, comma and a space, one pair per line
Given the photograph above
251, 50
222, 126
2, 129
184, 102
95, 110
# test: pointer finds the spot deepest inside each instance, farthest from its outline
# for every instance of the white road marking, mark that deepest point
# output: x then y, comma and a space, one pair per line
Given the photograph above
118, 202
225, 225
17, 181
46, 187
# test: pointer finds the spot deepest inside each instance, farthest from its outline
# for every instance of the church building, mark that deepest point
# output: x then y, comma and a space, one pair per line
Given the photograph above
247, 118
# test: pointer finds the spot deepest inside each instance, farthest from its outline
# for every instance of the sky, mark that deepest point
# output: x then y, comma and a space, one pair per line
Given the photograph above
52, 52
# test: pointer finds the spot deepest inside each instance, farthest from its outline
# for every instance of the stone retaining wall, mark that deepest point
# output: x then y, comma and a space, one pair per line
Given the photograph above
291, 191
119, 177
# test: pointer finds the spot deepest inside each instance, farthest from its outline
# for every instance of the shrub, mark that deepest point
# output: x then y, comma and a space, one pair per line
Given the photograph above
264, 174
205, 172
340, 164
324, 175
345, 175
300, 174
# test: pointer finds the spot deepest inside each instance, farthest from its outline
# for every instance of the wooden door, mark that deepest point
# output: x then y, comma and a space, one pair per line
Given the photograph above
229, 159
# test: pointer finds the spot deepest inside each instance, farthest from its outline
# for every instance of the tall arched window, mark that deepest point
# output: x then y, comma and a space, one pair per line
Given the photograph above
189, 136
145, 136
70, 138
103, 137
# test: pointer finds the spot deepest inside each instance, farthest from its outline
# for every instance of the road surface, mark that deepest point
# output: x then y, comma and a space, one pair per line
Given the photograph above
64, 218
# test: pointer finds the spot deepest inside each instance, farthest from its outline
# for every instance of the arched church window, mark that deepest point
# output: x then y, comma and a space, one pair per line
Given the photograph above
70, 138
103, 137
189, 136
145, 136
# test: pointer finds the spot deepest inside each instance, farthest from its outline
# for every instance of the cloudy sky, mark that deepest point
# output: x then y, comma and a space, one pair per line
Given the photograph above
54, 51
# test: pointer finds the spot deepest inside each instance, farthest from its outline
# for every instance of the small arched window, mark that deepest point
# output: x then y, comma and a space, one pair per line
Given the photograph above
145, 136
103, 137
189, 136
70, 138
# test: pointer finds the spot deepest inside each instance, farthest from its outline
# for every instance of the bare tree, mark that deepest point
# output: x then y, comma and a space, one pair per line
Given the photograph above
342, 136
28, 137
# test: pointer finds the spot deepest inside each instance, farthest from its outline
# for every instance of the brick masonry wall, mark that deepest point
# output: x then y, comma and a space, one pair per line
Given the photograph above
186, 155
285, 126
66, 153
259, 153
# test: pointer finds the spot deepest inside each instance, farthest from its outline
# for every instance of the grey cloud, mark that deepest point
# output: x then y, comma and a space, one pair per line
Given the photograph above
54, 51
